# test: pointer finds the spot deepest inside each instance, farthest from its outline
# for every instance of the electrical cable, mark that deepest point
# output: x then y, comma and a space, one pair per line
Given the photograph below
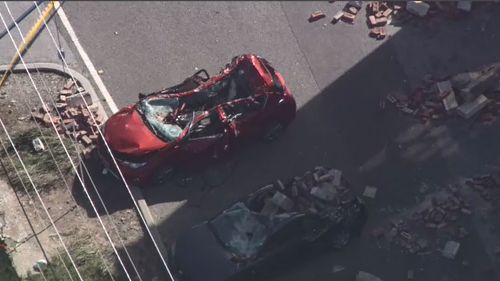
38, 195
65, 149
114, 160
115, 228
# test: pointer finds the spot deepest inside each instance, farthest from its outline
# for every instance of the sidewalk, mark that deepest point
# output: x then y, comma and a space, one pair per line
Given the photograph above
16, 229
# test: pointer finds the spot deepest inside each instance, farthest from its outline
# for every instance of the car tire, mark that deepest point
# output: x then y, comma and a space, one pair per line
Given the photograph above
164, 175
274, 131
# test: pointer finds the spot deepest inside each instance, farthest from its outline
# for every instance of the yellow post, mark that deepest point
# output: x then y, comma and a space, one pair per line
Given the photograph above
28, 39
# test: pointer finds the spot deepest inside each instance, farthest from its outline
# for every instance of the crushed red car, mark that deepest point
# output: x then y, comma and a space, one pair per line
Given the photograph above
201, 120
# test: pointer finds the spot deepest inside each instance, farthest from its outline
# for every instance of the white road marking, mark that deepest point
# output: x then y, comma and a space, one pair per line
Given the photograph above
88, 63
139, 197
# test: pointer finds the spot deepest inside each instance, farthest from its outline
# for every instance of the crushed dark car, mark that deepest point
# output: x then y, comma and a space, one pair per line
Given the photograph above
197, 122
273, 223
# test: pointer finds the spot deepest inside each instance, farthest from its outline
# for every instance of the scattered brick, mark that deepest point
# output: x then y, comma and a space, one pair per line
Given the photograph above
387, 12
316, 16
86, 140
372, 20
348, 17
69, 84
381, 21
337, 16
66, 92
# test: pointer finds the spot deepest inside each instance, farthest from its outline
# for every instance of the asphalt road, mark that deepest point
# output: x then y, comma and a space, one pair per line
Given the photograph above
43, 48
338, 74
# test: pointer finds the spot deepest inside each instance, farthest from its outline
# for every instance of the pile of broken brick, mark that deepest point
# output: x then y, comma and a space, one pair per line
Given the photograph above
328, 185
72, 117
488, 187
428, 227
465, 94
381, 13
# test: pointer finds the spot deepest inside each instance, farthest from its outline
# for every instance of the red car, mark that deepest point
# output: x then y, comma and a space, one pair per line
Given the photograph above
198, 121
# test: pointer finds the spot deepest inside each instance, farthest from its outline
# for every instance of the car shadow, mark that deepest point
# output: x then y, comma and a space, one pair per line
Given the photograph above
343, 127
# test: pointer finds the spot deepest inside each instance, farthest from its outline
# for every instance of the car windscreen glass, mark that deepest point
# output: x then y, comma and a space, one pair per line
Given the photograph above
242, 231
154, 112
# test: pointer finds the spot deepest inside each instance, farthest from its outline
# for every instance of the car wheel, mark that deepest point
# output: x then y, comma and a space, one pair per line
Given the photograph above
340, 239
274, 131
164, 175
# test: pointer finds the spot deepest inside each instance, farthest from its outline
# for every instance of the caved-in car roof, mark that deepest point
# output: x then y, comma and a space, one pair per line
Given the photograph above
163, 111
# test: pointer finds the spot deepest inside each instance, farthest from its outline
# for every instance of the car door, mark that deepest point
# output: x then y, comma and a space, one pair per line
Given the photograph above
314, 227
206, 141
281, 247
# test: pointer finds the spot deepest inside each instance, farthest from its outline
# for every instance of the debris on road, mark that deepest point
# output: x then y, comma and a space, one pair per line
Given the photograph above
370, 192
337, 17
316, 16
440, 216
450, 250
337, 268
365, 276
381, 13
488, 187
410, 275
465, 94
464, 5
418, 8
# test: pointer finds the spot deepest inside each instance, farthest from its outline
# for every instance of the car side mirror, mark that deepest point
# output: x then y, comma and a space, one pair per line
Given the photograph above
141, 96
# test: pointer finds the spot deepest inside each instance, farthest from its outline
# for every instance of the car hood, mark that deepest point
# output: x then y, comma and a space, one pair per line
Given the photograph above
200, 257
126, 133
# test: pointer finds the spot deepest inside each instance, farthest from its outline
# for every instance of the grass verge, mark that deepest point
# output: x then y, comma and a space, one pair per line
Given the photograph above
90, 266
40, 165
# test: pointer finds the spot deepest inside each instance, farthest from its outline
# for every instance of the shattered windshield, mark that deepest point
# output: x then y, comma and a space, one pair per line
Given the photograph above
242, 231
155, 113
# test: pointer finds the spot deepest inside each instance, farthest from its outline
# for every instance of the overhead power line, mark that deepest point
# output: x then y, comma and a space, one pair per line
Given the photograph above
38, 195
115, 228
57, 5
65, 149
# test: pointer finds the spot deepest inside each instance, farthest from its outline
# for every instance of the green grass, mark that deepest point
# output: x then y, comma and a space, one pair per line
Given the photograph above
40, 165
89, 264
45, 176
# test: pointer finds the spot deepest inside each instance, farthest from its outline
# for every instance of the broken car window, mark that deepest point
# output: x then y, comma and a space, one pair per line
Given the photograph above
155, 113
208, 126
242, 231
236, 86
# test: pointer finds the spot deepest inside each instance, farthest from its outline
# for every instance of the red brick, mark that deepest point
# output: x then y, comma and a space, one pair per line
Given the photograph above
66, 92
372, 20
46, 119
353, 10
381, 34
387, 12
348, 17
69, 84
316, 16
86, 140
68, 121
381, 21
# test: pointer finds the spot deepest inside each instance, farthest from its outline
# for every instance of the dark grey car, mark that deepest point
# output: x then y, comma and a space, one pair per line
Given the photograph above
244, 240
